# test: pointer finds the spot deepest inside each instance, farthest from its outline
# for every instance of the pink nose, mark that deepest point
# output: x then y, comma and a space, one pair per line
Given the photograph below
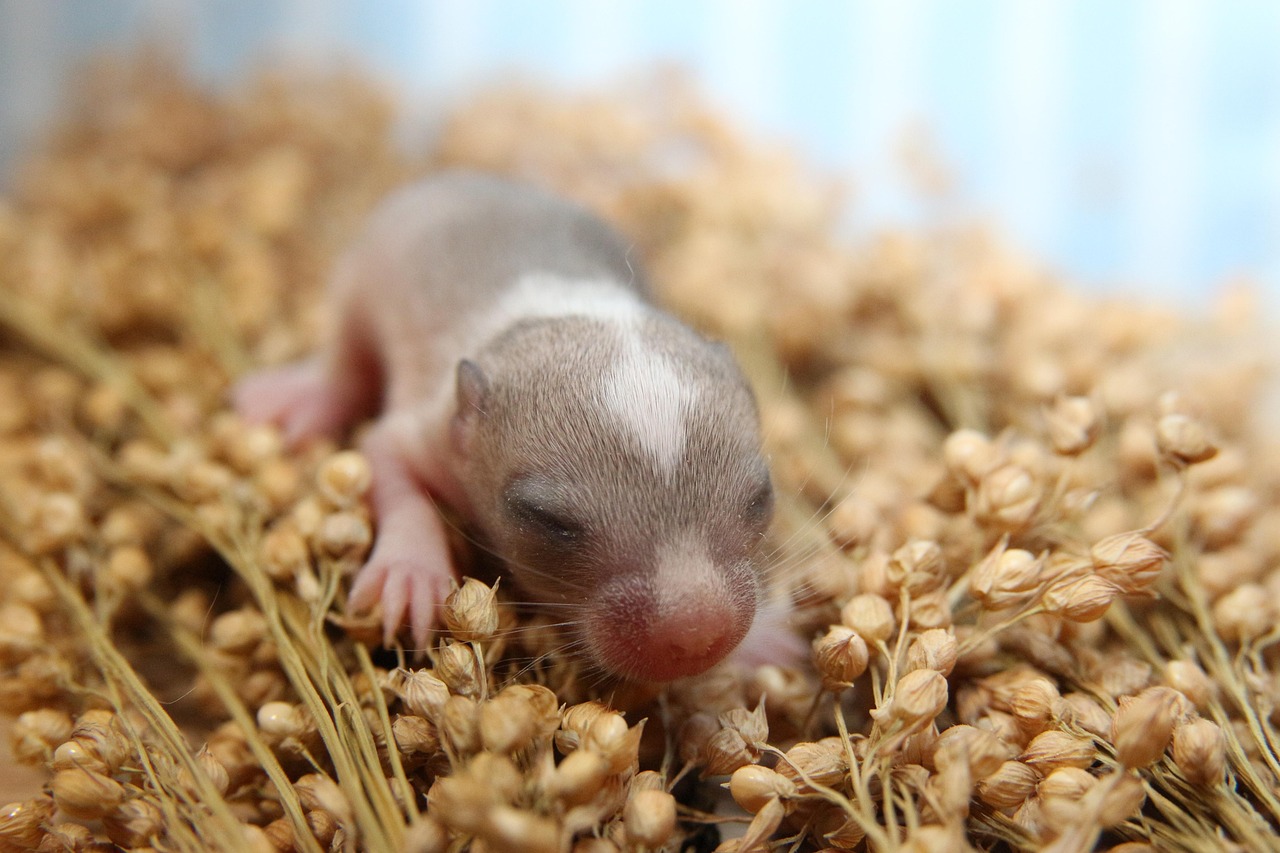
691, 636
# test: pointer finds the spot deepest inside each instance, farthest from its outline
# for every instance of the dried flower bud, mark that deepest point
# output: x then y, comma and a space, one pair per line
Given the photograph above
1007, 498
1006, 577
752, 786
1073, 425
1190, 680
344, 535
344, 478
1131, 561
1182, 440
22, 824
422, 693
136, 823
969, 455
1080, 599
935, 649
507, 724
917, 698
471, 611
841, 656
85, 794
456, 665
871, 616
649, 818
579, 777
575, 722
1144, 725
1200, 751
918, 566
1052, 749
1033, 704
752, 725
823, 762
415, 736
1009, 786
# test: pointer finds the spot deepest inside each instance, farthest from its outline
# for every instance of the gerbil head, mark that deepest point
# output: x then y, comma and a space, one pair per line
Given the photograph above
616, 467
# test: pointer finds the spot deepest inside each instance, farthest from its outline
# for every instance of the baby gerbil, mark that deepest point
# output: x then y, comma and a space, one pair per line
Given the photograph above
605, 451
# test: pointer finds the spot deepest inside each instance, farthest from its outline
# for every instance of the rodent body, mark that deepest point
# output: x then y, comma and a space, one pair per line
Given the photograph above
606, 452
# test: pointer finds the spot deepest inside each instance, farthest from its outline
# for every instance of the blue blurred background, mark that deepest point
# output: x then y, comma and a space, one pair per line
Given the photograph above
1131, 145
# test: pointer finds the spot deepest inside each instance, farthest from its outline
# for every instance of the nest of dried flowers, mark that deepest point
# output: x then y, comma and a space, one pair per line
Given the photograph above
1034, 533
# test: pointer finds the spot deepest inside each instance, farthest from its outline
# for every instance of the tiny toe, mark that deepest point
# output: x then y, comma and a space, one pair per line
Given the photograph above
422, 612
366, 589
395, 600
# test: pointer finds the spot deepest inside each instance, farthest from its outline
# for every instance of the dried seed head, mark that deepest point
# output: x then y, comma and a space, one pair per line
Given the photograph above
1190, 680
650, 818
97, 735
422, 693
619, 745
1009, 786
823, 762
752, 786
871, 616
85, 794
1073, 425
344, 478
917, 698
1183, 440
1144, 724
1200, 751
471, 611
576, 720
1071, 783
1007, 498
1052, 749
238, 632
1131, 561
935, 649
917, 566
415, 736
459, 724
969, 455
841, 656
507, 724
1080, 599
456, 665
1033, 705
22, 824
284, 553
579, 777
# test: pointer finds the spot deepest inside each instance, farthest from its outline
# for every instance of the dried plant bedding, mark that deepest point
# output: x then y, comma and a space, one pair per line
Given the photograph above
1033, 534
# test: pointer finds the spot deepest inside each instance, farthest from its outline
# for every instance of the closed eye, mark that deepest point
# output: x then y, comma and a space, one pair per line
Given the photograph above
759, 508
544, 521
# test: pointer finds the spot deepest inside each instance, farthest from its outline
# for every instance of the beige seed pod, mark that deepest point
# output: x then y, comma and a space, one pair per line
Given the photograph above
284, 553
611, 738
1245, 613
344, 478
575, 721
1033, 704
1143, 726
591, 844
99, 734
751, 786
459, 724
344, 535
85, 794
578, 778
135, 823
869, 615
34, 734
1081, 600
833, 827
507, 724
281, 720
1009, 786
67, 837
969, 455
980, 750
462, 802
1199, 750
762, 826
238, 632
694, 738
1191, 681
752, 725
58, 521
1121, 800
840, 656
918, 697
649, 818
1052, 749
509, 828
128, 568
1131, 561
426, 835
1088, 715
823, 762
1073, 425
22, 823
250, 448
917, 566
317, 792
1005, 577
422, 693
279, 482
471, 611
500, 773
541, 702
1182, 440
21, 631
415, 736
456, 666
726, 751
77, 754
935, 649
1007, 498
1070, 783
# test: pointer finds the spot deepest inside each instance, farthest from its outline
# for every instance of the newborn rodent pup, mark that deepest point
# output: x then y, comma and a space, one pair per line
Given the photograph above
607, 453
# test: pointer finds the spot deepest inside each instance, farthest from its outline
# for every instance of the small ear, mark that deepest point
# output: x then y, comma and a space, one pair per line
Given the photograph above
472, 396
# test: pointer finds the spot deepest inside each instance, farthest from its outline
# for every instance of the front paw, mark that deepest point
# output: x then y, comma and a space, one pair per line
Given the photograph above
404, 587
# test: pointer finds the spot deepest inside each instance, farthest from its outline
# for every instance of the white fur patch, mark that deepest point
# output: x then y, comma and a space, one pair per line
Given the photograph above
540, 295
645, 397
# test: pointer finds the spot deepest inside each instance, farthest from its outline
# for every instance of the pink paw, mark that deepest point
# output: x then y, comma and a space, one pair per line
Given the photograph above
402, 586
299, 398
